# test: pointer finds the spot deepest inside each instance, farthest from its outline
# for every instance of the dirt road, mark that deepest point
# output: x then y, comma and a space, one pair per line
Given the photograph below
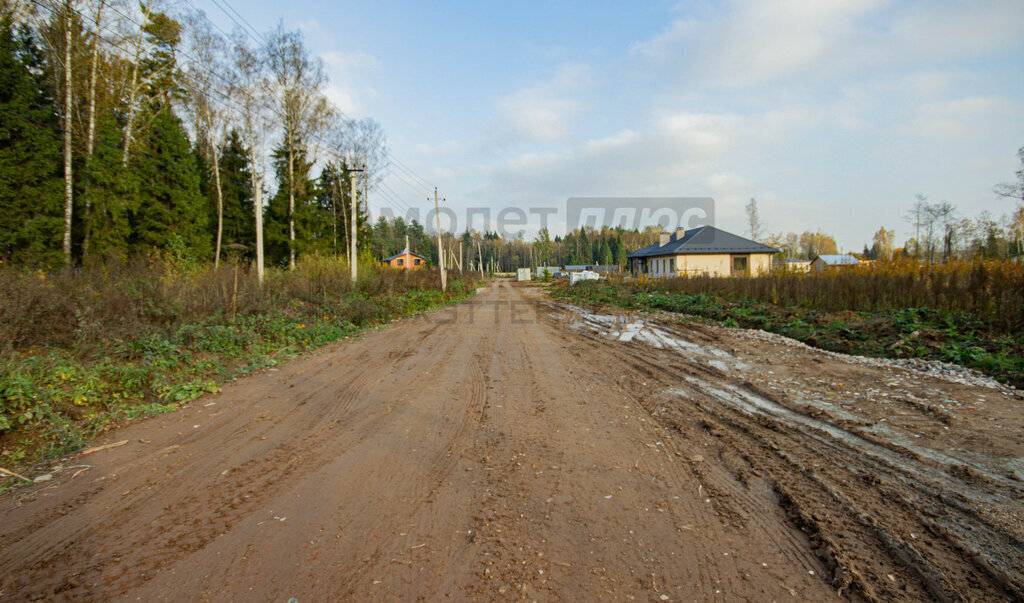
513, 448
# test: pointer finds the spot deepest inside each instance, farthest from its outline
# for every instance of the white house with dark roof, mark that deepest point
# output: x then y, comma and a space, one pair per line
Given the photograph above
704, 250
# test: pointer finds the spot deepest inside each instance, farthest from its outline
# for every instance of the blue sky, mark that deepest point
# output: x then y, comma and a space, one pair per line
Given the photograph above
832, 114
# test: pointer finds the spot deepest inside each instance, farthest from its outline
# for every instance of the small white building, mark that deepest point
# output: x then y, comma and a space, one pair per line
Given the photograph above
523, 274
795, 265
583, 275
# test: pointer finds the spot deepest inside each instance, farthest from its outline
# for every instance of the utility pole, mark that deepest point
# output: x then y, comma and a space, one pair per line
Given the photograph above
407, 251
355, 219
479, 259
440, 249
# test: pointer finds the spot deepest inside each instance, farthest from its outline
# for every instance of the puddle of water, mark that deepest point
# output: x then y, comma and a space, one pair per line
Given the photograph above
622, 327
758, 405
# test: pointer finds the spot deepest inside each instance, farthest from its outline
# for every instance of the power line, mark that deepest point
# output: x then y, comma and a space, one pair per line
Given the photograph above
406, 174
266, 44
256, 38
394, 197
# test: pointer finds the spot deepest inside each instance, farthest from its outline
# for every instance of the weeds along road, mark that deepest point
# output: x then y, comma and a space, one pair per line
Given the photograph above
513, 448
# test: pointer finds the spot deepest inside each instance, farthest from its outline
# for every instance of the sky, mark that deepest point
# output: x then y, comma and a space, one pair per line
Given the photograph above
832, 114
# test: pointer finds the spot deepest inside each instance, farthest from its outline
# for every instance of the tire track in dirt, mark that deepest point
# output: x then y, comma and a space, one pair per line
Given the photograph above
939, 566
495, 451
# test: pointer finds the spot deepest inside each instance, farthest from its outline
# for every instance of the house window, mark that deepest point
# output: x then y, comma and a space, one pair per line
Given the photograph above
416, 262
401, 262
739, 265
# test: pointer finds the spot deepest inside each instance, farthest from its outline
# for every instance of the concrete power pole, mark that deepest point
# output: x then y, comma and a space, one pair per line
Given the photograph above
353, 265
479, 259
440, 248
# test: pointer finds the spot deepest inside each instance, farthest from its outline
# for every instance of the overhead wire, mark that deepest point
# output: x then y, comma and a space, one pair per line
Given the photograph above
406, 174
266, 44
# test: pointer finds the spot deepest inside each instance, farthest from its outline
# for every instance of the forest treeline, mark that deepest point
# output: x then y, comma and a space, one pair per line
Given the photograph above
136, 128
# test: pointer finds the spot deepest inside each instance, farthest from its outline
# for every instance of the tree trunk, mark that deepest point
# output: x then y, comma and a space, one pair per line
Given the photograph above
133, 94
68, 182
131, 113
91, 132
220, 202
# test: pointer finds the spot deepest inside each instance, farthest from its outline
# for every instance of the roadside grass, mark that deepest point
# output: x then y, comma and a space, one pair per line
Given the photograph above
82, 352
983, 342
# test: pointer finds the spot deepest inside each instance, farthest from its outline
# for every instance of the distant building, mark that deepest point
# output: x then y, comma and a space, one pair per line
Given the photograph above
552, 271
523, 274
704, 250
406, 260
795, 265
833, 261
599, 268
583, 275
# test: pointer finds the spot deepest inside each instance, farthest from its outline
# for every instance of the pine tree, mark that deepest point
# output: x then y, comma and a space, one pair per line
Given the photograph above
606, 253
31, 206
171, 210
236, 183
381, 238
113, 194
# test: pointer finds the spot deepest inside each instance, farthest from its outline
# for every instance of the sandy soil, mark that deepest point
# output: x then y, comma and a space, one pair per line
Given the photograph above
513, 448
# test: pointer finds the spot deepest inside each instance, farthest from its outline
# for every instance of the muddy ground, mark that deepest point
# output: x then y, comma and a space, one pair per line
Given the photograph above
514, 448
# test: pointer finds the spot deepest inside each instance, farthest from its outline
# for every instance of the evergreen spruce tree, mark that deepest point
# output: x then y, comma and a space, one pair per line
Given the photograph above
113, 193
381, 238
236, 184
606, 253
31, 205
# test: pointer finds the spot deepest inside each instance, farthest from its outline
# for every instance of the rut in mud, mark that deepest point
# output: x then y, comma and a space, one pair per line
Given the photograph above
510, 447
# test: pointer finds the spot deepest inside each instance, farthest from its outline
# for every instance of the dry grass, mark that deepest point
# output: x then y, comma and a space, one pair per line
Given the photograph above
120, 300
991, 290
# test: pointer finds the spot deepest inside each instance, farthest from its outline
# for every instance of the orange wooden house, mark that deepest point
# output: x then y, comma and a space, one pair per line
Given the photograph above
406, 260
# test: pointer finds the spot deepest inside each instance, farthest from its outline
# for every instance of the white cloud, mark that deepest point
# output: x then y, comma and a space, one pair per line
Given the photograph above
446, 147
542, 113
680, 154
347, 72
965, 118
754, 42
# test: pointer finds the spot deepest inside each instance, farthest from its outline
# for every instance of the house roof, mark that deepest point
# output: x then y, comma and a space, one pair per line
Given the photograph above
705, 239
404, 252
838, 260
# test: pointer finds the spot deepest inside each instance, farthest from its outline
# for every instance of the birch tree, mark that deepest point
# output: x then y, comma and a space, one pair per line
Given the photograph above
68, 11
364, 139
248, 91
147, 44
754, 225
298, 81
1014, 190
206, 80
